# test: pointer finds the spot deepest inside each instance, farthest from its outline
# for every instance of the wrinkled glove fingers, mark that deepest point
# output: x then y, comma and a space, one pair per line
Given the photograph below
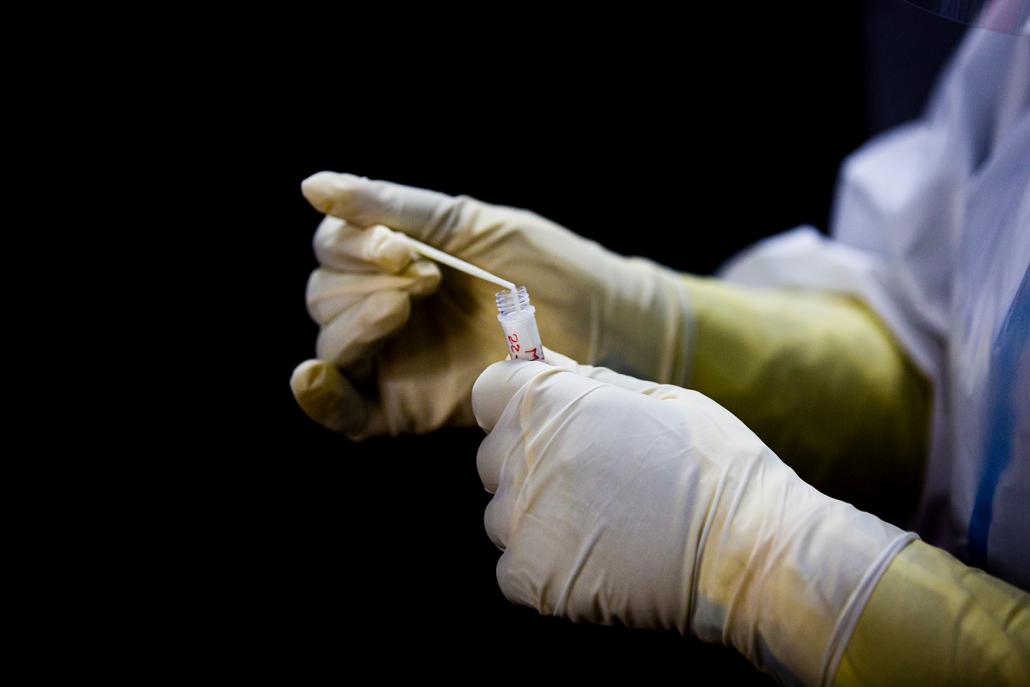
348, 248
356, 332
609, 376
503, 474
330, 294
642, 386
331, 401
359, 311
500, 381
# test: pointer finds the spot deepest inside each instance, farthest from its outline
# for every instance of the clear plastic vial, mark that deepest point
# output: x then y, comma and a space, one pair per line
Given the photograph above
518, 320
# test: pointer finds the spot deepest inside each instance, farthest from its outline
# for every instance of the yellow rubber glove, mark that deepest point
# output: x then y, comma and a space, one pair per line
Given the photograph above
402, 341
933, 621
821, 380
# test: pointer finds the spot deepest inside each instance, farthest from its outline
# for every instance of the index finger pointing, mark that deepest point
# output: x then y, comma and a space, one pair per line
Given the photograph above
366, 202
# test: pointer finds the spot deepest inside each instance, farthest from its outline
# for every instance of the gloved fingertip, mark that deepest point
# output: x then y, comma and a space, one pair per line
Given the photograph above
318, 190
426, 277
311, 383
559, 360
496, 386
390, 250
323, 395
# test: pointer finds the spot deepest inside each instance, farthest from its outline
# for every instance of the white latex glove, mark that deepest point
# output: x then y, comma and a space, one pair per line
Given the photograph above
410, 342
621, 499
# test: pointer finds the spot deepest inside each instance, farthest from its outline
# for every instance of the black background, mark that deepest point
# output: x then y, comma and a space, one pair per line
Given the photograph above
680, 139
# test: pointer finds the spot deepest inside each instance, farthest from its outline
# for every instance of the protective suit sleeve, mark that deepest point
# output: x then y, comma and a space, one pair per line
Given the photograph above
933, 621
820, 379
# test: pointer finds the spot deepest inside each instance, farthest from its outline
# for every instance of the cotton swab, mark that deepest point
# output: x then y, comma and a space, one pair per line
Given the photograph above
517, 316
459, 264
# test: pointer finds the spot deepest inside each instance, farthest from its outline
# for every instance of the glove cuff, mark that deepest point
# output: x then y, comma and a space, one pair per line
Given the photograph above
784, 581
856, 604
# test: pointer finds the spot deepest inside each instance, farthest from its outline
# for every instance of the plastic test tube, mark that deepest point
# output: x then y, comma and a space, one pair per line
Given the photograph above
518, 320
516, 315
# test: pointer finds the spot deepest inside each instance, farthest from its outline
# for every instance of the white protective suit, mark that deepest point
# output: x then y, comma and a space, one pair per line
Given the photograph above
932, 229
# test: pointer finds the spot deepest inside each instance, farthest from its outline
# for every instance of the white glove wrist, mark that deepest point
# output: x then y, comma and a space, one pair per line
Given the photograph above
774, 560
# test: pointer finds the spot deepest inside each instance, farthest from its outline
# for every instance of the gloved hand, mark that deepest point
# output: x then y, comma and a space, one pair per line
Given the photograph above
411, 338
622, 499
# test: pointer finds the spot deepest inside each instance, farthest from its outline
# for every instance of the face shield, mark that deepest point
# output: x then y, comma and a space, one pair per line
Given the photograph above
1008, 16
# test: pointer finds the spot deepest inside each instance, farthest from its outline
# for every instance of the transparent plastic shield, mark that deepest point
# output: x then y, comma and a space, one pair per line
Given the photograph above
1009, 16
